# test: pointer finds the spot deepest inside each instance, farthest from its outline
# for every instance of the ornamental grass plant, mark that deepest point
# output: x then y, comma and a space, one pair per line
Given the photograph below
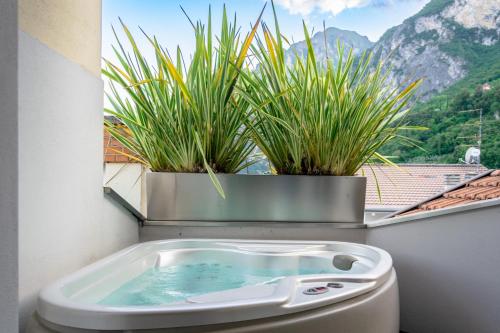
321, 119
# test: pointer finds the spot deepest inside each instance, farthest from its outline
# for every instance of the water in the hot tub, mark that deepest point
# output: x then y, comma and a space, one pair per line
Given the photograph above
177, 282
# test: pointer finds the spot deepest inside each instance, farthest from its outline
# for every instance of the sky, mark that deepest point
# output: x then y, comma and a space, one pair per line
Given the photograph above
165, 20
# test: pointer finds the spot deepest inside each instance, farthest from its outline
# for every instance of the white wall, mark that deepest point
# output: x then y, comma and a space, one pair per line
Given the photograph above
65, 222
448, 270
8, 166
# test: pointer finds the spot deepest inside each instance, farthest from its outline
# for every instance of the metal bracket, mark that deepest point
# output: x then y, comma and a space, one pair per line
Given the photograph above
119, 199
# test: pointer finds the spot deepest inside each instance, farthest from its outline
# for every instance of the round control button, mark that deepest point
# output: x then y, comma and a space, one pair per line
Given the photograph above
335, 285
315, 291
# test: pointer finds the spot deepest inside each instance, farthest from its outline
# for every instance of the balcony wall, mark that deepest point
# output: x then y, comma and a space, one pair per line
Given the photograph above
65, 222
447, 266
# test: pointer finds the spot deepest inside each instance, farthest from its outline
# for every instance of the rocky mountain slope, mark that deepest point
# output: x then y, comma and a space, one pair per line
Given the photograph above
454, 45
443, 43
350, 39
448, 40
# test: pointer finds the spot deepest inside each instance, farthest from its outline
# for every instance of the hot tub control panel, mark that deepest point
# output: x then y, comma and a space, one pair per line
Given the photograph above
311, 294
315, 290
322, 289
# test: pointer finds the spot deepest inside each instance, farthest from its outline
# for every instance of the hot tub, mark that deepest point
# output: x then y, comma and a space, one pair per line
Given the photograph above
227, 286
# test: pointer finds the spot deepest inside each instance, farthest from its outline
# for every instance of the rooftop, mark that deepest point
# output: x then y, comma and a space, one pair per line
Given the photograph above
412, 183
483, 188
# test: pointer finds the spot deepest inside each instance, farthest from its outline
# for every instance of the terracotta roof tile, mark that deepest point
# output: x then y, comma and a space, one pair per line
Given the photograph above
456, 193
443, 202
467, 192
491, 194
486, 181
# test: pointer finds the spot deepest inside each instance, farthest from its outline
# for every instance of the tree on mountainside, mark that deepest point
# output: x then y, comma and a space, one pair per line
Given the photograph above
450, 132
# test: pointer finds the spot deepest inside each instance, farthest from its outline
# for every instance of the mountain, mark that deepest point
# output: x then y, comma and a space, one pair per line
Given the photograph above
454, 45
447, 41
350, 39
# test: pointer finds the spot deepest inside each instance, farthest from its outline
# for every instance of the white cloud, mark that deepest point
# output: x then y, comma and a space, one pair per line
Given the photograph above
306, 7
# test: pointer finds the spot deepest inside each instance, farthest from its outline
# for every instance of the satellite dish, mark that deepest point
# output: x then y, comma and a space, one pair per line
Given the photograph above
472, 155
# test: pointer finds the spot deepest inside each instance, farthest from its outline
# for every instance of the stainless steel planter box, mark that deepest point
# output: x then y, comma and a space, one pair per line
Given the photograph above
192, 197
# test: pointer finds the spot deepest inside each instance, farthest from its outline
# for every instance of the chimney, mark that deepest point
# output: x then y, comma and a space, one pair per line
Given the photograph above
470, 175
451, 180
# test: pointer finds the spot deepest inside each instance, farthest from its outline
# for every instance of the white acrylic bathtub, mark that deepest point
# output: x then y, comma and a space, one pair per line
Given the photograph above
221, 285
